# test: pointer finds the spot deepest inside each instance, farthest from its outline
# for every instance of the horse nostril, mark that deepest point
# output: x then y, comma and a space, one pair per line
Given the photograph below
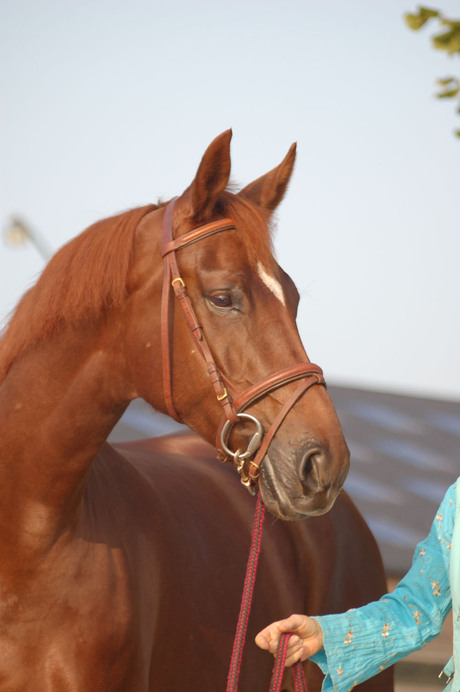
311, 470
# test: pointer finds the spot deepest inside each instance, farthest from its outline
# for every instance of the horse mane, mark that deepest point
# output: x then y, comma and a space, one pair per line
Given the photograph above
86, 276
89, 274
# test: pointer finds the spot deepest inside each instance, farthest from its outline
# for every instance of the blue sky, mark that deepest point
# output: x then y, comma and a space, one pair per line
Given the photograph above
106, 105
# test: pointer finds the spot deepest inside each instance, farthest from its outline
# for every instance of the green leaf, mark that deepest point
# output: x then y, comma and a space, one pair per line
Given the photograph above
427, 11
457, 133
453, 23
446, 81
448, 41
416, 21
413, 21
450, 94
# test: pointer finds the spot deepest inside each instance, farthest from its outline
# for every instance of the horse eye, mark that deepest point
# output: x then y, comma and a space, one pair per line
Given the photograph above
221, 300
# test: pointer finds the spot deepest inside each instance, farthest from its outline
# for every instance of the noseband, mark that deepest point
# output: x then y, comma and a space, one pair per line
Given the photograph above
233, 406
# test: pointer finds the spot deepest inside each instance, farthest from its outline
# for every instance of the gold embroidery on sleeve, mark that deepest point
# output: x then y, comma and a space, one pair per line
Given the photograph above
435, 587
348, 638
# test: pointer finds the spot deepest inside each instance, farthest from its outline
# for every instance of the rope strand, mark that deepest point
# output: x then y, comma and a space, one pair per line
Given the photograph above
246, 600
300, 684
243, 617
278, 668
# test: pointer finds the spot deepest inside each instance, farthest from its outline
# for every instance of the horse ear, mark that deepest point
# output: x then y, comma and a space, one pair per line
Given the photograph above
268, 191
211, 178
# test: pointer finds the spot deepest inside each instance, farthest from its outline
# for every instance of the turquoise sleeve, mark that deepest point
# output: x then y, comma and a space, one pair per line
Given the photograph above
364, 641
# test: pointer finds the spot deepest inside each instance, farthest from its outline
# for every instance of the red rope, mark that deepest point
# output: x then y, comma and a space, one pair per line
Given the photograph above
243, 617
280, 659
300, 684
246, 599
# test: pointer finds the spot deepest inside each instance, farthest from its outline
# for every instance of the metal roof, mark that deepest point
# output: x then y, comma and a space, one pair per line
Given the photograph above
405, 452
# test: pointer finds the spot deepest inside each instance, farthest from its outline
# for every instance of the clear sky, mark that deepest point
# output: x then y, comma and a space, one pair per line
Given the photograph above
109, 104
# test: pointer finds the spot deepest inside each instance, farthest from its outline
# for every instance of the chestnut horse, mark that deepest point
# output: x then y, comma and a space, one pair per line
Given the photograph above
120, 567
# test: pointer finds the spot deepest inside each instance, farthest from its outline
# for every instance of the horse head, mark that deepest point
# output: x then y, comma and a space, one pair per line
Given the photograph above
236, 331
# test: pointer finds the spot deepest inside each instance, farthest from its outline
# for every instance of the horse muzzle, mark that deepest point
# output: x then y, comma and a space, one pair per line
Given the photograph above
305, 482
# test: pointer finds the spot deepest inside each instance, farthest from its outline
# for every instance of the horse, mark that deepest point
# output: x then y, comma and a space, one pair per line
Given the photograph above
121, 565
317, 565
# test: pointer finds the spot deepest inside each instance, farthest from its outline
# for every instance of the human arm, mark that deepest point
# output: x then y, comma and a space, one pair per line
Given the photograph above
362, 642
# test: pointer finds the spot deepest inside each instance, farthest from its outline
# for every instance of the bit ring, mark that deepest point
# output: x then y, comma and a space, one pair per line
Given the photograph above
254, 443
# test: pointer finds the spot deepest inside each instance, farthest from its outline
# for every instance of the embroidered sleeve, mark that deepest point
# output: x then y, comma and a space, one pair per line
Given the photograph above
364, 641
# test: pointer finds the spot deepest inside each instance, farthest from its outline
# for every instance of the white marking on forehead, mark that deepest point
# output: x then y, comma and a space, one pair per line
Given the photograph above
271, 283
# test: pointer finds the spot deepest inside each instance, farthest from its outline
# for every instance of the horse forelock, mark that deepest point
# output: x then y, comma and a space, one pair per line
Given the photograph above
251, 227
86, 276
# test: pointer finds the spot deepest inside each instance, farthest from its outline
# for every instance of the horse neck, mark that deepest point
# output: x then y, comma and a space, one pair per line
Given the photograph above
57, 407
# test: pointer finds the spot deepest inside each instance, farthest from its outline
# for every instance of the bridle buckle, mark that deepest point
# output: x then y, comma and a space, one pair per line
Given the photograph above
239, 457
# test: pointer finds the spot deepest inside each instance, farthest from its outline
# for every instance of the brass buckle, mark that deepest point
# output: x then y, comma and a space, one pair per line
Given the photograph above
245, 478
445, 678
221, 397
178, 278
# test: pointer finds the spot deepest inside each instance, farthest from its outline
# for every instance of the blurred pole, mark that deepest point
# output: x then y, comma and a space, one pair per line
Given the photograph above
17, 232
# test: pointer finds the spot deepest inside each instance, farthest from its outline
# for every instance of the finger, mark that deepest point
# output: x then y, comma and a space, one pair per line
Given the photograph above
290, 660
267, 635
294, 644
292, 623
262, 641
293, 655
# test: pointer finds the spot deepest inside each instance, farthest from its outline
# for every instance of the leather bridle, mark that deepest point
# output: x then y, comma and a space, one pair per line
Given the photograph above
233, 404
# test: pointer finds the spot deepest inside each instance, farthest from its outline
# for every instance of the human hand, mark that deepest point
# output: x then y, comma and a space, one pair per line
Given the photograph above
306, 640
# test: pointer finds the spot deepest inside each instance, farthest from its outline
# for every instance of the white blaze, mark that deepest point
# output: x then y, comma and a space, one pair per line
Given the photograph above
271, 283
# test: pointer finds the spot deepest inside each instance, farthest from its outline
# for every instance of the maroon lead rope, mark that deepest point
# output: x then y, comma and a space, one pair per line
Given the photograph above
243, 617
246, 599
300, 684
